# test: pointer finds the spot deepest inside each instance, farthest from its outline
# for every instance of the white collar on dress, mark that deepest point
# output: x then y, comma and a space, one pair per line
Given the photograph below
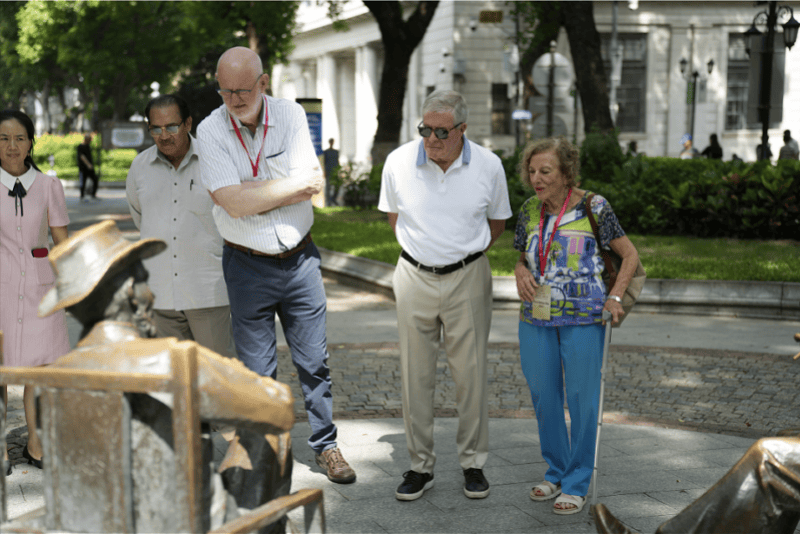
26, 179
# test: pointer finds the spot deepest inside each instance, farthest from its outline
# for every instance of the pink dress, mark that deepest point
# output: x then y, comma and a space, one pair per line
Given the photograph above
28, 340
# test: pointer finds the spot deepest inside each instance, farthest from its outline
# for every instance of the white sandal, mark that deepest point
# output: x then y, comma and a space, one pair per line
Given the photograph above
548, 489
576, 500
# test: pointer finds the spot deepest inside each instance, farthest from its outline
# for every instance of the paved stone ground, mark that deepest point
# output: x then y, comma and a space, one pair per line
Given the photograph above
743, 394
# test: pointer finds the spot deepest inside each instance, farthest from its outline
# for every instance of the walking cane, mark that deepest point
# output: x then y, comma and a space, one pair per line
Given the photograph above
607, 317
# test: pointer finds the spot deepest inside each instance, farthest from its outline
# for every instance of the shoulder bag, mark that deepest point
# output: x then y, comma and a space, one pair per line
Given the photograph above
613, 262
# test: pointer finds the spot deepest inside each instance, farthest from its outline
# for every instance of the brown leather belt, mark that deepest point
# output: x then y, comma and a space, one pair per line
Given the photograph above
282, 256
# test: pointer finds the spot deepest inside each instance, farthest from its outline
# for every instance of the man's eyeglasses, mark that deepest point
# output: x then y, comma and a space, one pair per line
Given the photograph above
441, 133
171, 129
241, 93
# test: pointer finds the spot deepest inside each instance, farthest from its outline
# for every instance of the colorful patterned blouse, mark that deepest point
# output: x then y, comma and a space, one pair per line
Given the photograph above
574, 265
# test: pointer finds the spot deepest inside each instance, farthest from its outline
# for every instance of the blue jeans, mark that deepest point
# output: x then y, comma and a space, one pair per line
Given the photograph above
258, 288
578, 350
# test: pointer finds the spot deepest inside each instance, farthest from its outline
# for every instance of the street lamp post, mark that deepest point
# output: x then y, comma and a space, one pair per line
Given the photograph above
770, 19
693, 76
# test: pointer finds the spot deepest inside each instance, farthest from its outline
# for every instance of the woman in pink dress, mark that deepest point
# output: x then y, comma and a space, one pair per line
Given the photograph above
30, 203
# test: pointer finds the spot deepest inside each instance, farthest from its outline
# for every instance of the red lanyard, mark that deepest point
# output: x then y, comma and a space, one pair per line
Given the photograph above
239, 135
543, 254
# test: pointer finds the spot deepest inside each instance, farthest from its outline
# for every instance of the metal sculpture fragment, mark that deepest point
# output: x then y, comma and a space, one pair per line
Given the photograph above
126, 419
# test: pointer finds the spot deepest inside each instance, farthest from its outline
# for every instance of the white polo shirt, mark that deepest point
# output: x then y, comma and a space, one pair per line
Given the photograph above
443, 216
172, 204
287, 153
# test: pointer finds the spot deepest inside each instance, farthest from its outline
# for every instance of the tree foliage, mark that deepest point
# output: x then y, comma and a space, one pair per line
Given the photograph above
112, 51
16, 78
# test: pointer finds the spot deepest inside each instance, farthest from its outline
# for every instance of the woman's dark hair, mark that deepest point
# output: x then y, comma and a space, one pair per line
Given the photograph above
27, 123
713, 140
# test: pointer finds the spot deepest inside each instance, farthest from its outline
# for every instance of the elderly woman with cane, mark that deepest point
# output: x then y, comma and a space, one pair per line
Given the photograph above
563, 296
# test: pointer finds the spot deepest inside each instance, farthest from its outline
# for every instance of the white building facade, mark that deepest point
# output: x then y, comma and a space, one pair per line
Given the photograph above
478, 59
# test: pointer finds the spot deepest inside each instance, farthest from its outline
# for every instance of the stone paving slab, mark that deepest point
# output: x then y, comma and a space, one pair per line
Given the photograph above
666, 480
742, 394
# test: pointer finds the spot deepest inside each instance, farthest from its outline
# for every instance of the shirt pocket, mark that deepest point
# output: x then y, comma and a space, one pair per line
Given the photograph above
199, 201
44, 271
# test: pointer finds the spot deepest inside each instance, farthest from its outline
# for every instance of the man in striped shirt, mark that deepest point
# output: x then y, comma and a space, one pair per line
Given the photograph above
260, 167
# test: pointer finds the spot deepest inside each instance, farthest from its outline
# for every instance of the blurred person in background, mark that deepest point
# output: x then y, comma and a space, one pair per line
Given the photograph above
86, 167
688, 152
789, 150
330, 157
713, 150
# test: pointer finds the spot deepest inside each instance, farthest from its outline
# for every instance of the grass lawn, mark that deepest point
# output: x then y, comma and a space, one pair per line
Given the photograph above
366, 233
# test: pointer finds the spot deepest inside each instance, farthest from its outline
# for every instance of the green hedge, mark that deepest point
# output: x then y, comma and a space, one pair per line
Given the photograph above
670, 196
113, 164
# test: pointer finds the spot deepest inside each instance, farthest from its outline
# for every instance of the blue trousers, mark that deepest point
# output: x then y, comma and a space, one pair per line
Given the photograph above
260, 287
552, 357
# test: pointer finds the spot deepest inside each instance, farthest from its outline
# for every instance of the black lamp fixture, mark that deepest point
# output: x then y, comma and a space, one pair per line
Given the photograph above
691, 81
753, 38
790, 28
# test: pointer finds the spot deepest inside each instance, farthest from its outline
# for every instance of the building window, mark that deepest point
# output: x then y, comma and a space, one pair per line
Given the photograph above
631, 91
738, 85
501, 109
740, 105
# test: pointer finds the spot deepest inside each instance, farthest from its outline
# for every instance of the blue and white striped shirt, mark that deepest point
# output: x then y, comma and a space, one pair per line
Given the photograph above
287, 153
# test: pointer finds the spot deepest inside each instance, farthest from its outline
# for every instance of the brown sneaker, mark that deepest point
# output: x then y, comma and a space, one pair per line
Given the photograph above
335, 466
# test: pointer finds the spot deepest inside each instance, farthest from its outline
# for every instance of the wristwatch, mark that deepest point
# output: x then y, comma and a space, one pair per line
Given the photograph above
614, 297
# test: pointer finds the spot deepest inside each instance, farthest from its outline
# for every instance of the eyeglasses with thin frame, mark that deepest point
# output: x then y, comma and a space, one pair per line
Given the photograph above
441, 133
171, 129
241, 93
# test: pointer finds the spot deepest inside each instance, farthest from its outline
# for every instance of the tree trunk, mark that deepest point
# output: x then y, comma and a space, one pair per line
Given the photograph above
545, 32
95, 120
400, 38
252, 38
44, 100
69, 113
591, 79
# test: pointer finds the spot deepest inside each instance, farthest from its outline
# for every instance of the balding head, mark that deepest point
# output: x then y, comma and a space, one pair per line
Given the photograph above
240, 70
240, 59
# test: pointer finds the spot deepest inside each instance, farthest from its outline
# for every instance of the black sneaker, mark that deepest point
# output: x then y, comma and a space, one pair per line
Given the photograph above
414, 485
475, 484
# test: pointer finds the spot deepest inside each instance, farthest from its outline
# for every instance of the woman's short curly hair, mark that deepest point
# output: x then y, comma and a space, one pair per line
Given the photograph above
568, 158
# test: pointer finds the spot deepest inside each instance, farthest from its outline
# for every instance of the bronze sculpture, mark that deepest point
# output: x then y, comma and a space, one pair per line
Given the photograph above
125, 417
760, 494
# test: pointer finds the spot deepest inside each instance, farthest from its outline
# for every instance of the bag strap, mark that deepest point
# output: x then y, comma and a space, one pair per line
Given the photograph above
612, 273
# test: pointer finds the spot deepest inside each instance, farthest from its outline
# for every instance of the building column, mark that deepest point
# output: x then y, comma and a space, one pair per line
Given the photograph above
326, 90
415, 96
366, 97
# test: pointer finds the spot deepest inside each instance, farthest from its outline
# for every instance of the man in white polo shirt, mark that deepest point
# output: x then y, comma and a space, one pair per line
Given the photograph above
447, 201
261, 169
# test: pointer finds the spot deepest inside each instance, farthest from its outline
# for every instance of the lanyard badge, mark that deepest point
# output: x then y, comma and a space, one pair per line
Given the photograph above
540, 307
239, 135
544, 253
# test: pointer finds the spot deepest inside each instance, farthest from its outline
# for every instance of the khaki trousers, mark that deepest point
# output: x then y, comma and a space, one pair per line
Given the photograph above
211, 327
461, 304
